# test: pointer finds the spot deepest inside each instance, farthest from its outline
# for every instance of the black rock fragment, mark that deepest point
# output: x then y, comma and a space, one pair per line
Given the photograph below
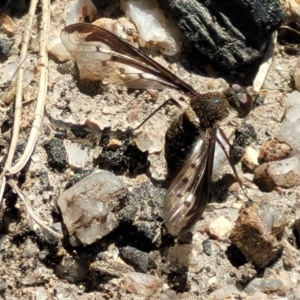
79, 131
244, 135
5, 45
135, 257
230, 33
207, 247
57, 154
121, 154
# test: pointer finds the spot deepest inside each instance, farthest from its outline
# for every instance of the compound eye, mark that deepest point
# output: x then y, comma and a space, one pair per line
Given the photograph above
244, 98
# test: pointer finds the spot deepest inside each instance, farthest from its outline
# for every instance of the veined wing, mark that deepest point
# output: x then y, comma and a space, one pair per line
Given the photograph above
104, 56
187, 195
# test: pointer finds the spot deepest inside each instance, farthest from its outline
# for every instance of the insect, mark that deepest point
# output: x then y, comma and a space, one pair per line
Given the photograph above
190, 140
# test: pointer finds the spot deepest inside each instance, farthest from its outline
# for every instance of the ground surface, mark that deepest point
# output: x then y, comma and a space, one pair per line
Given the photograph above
35, 266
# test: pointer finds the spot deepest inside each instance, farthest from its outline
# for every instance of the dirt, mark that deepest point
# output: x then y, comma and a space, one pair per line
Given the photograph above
35, 265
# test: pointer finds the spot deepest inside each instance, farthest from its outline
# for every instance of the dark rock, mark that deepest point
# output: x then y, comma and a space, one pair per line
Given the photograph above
143, 211
71, 269
121, 158
258, 233
243, 136
229, 33
5, 45
79, 131
57, 154
135, 257
207, 247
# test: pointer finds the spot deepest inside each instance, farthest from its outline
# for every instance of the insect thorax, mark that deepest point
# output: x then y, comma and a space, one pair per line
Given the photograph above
210, 108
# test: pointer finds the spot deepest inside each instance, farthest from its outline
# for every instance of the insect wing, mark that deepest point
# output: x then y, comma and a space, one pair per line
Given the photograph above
187, 196
104, 56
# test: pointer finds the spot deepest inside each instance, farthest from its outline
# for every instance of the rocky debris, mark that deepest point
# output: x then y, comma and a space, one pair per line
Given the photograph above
5, 46
79, 131
85, 207
213, 26
7, 25
57, 51
108, 262
284, 172
42, 293
244, 135
141, 284
296, 75
121, 158
43, 177
250, 158
258, 233
274, 150
80, 11
185, 256
220, 228
296, 225
152, 25
207, 247
30, 249
225, 292
149, 141
121, 27
79, 175
244, 274
268, 286
72, 269
135, 257
289, 130
3, 286
168, 294
76, 156
143, 211
57, 154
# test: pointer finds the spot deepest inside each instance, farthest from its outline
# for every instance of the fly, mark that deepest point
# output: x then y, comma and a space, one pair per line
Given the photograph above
190, 140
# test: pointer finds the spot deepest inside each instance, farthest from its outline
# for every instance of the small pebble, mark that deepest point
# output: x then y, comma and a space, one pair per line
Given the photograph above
85, 210
7, 24
140, 284
258, 233
76, 157
220, 228
207, 247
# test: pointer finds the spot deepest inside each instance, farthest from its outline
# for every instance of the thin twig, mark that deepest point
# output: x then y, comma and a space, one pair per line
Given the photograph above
290, 28
18, 99
39, 111
23, 197
265, 65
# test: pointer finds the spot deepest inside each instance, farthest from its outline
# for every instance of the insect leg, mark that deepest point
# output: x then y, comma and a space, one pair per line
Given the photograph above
228, 156
170, 100
230, 159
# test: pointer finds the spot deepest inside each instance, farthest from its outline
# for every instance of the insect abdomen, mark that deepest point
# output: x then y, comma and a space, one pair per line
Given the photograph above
179, 138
